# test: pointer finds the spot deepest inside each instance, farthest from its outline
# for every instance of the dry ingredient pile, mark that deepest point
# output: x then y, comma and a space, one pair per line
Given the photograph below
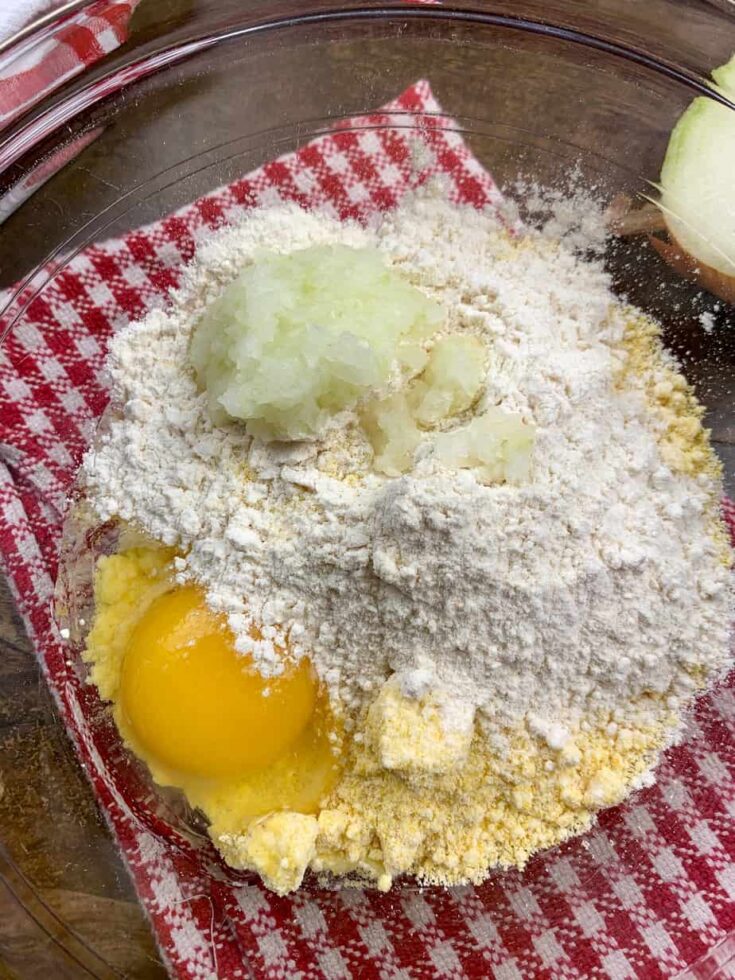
495, 537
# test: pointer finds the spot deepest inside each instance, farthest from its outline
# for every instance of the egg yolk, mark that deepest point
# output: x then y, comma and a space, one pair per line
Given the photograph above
196, 706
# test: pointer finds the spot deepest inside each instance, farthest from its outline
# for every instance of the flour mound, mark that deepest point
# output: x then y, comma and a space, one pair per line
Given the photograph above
597, 585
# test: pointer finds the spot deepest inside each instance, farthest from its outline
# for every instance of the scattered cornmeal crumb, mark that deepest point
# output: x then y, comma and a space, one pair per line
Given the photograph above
280, 847
414, 734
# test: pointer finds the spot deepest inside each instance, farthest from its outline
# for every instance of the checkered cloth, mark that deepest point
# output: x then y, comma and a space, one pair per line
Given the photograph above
45, 61
37, 66
648, 892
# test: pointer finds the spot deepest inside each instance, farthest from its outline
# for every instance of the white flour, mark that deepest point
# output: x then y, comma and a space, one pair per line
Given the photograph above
596, 583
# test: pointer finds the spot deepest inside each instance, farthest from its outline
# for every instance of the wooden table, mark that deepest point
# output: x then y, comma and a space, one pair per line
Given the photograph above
56, 855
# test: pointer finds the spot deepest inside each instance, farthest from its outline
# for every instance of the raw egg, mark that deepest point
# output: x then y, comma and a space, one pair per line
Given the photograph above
193, 705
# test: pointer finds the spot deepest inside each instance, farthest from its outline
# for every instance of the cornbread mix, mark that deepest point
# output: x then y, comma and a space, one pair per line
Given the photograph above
419, 560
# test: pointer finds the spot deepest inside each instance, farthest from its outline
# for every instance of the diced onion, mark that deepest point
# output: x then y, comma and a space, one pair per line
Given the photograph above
299, 337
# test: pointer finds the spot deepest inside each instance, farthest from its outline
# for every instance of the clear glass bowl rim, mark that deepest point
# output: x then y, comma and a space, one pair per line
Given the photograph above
20, 135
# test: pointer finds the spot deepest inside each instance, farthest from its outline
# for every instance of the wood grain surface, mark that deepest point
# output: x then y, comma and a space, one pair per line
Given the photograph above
60, 873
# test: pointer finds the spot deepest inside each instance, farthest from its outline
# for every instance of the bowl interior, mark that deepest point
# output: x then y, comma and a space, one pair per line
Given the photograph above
160, 125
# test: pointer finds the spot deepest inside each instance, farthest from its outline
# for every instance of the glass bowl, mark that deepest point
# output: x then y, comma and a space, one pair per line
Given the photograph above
199, 95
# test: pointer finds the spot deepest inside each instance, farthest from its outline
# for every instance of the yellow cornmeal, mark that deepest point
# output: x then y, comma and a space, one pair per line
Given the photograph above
496, 810
408, 797
124, 587
684, 441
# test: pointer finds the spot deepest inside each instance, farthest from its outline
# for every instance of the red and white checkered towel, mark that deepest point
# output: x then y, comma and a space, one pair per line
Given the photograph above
37, 66
648, 892
45, 61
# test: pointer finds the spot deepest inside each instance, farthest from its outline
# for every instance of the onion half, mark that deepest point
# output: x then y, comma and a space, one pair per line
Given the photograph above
698, 191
